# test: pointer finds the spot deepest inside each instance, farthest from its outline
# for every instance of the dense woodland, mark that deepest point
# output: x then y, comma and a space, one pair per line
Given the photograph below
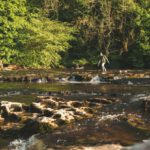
57, 33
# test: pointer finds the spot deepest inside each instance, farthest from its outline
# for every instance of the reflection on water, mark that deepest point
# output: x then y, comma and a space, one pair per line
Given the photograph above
27, 92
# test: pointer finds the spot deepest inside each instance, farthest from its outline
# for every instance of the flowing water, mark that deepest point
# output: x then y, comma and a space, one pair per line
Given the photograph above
108, 126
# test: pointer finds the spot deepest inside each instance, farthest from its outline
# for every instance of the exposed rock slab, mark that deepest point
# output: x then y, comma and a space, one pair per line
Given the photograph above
46, 113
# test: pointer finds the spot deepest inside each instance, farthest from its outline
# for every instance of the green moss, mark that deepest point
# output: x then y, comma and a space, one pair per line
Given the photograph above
138, 123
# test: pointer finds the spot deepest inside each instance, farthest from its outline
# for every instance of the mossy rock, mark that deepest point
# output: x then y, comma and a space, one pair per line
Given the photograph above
138, 122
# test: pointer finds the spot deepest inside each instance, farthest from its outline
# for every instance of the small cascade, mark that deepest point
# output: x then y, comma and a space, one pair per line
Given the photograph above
115, 117
97, 79
40, 80
31, 143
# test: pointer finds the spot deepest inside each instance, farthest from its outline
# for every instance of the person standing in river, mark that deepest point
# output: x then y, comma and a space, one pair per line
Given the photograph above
103, 60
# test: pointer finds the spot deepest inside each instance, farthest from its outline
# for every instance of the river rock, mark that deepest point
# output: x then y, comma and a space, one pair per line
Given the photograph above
74, 103
138, 122
38, 125
131, 81
75, 77
144, 100
146, 103
11, 106
65, 115
47, 113
11, 110
51, 122
100, 100
36, 108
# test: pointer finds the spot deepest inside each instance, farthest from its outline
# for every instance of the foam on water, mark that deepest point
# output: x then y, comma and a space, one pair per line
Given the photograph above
105, 117
96, 80
31, 143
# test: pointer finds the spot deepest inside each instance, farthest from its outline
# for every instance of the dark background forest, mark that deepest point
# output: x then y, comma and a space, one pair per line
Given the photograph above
57, 33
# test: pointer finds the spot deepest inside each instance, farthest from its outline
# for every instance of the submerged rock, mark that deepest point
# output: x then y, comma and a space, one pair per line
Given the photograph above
100, 100
146, 103
75, 77
144, 100
131, 81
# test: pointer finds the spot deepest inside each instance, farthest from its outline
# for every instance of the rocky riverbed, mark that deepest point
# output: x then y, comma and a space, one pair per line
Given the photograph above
47, 113
62, 122
74, 110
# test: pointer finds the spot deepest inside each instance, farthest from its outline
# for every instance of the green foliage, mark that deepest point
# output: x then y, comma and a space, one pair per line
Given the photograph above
34, 33
140, 49
143, 23
12, 22
45, 42
80, 62
27, 38
115, 26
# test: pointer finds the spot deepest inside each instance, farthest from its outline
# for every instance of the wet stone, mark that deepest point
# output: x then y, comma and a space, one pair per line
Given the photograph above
11, 110
138, 122
36, 108
101, 100
11, 106
47, 113
14, 117
131, 81
75, 77
75, 104
146, 103
144, 100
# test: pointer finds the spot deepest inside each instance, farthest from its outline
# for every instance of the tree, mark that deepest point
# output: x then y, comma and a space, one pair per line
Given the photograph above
46, 40
28, 38
41, 32
12, 21
139, 52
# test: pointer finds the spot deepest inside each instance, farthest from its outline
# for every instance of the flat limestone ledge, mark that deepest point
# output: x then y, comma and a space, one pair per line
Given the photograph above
46, 113
44, 76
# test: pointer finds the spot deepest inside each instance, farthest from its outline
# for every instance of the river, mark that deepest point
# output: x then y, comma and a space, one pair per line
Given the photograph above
111, 125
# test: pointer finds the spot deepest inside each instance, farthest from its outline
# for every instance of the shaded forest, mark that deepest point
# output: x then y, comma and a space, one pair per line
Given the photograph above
57, 33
